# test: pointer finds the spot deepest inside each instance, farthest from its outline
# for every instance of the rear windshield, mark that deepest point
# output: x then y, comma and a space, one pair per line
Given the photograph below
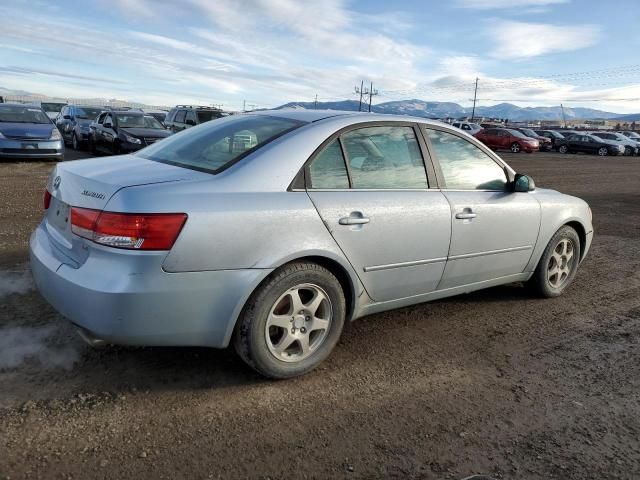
211, 147
206, 115
19, 114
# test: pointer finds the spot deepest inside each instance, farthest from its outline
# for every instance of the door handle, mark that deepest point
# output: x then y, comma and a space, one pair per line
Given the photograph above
356, 218
466, 215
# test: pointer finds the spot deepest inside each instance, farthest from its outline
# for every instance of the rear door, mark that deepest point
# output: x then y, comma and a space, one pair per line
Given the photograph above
493, 230
370, 187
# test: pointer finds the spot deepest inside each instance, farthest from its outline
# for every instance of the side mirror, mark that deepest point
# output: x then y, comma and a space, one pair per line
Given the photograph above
107, 125
67, 117
190, 122
523, 183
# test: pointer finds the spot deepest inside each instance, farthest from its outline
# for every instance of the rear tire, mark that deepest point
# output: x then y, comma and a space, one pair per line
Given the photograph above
515, 147
92, 146
292, 322
558, 265
563, 149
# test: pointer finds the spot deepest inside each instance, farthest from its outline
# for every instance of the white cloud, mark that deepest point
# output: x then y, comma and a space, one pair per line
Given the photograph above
523, 40
506, 4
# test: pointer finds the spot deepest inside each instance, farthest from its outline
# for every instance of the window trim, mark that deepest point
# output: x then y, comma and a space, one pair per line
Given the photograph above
426, 159
442, 185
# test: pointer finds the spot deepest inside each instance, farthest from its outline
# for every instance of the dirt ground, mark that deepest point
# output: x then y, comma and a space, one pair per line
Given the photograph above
496, 382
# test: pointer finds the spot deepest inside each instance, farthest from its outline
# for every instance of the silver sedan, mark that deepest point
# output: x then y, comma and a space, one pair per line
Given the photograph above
271, 230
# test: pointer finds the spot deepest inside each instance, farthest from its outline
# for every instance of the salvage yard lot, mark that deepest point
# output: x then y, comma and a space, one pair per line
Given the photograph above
496, 382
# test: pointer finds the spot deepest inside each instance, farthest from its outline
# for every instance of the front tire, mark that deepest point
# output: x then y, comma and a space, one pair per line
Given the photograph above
75, 144
603, 151
558, 265
292, 322
515, 147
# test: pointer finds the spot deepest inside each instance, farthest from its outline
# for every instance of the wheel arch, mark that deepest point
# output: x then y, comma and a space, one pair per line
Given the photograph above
346, 276
582, 235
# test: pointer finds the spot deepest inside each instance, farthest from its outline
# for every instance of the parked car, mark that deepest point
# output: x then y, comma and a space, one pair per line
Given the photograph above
26, 132
275, 245
74, 121
507, 139
184, 116
545, 143
587, 143
159, 115
469, 127
630, 134
51, 109
552, 135
122, 131
630, 145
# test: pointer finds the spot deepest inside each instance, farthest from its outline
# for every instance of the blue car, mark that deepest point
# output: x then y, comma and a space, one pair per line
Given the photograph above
26, 132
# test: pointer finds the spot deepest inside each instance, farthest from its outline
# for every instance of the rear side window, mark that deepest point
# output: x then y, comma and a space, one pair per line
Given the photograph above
206, 115
384, 157
180, 116
213, 146
328, 169
464, 166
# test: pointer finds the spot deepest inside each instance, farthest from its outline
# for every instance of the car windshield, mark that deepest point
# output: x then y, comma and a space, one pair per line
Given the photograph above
88, 112
152, 122
52, 106
632, 135
517, 133
19, 114
529, 132
211, 147
130, 120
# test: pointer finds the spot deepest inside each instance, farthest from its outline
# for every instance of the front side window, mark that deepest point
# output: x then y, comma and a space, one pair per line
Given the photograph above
213, 146
108, 120
465, 166
328, 169
385, 157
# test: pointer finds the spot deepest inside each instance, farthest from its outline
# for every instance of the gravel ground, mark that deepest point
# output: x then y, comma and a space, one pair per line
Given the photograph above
495, 382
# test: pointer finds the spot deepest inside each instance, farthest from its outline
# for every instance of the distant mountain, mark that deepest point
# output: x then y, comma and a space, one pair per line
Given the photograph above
421, 108
630, 117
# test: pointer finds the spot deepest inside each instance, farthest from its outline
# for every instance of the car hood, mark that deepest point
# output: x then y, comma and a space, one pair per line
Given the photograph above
147, 132
29, 130
91, 183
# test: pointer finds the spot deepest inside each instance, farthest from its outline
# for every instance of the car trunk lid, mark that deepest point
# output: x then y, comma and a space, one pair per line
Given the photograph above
90, 184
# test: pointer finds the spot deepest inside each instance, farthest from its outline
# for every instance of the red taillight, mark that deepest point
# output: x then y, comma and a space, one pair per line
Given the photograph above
139, 231
47, 199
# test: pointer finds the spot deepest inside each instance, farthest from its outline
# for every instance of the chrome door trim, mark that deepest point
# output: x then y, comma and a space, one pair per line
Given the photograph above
490, 252
375, 268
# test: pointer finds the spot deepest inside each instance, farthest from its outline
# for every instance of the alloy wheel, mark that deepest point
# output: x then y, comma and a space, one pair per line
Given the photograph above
515, 147
298, 322
560, 263
603, 152
563, 149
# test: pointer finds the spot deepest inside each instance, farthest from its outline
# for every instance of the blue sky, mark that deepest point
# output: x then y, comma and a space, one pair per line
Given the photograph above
268, 52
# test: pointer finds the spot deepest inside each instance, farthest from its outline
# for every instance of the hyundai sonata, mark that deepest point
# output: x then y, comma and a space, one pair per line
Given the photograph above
271, 230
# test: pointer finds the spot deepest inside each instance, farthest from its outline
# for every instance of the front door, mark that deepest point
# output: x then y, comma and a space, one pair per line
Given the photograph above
392, 228
493, 230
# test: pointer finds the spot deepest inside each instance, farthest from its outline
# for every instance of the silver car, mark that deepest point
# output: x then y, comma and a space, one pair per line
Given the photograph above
271, 230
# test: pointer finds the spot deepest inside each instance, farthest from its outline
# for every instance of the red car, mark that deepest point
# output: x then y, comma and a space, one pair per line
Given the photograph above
507, 139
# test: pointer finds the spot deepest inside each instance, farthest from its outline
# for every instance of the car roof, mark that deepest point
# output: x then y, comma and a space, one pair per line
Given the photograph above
356, 117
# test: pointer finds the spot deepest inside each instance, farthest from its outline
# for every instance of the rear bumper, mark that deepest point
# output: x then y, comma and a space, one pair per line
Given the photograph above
28, 149
126, 298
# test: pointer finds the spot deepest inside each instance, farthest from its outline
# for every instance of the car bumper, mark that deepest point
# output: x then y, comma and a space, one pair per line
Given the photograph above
28, 149
125, 297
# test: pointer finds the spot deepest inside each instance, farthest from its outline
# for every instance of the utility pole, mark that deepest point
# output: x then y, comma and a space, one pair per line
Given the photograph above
244, 105
371, 94
475, 95
564, 120
360, 90
315, 103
